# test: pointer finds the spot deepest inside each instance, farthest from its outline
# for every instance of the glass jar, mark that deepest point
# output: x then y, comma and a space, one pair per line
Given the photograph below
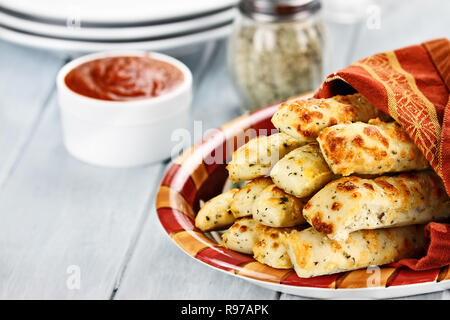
276, 50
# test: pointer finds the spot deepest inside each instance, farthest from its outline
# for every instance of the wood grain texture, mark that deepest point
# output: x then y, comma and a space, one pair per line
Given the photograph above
159, 269
58, 212
27, 79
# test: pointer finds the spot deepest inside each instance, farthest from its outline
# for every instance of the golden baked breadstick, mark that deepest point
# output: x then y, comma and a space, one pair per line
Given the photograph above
215, 213
242, 203
256, 157
374, 148
314, 254
302, 171
241, 236
304, 119
248, 236
276, 208
352, 203
269, 249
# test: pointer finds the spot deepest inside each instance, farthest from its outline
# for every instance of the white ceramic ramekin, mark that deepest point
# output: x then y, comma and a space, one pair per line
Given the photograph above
123, 133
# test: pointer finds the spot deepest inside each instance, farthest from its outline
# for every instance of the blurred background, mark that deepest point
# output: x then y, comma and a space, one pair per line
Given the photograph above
271, 49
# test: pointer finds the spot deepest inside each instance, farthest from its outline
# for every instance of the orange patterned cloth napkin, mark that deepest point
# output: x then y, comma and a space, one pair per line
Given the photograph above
412, 85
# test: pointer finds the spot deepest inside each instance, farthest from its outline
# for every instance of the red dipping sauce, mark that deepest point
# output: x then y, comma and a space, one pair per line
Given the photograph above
124, 78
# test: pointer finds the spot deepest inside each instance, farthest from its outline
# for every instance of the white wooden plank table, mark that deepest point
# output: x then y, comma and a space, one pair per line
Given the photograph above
59, 216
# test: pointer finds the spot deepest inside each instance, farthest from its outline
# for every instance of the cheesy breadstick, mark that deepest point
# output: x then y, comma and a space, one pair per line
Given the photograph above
215, 213
255, 158
304, 119
276, 208
352, 203
269, 248
241, 236
248, 236
302, 171
242, 203
373, 148
314, 254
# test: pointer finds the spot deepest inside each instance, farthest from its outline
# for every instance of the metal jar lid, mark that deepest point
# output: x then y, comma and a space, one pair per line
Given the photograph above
276, 10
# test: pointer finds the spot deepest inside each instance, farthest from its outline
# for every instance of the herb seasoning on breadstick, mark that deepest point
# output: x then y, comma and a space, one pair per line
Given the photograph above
302, 171
314, 254
373, 148
276, 208
304, 119
269, 249
242, 203
241, 236
255, 158
352, 203
215, 213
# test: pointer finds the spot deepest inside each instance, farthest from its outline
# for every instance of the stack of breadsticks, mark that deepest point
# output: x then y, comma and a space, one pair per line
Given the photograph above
336, 189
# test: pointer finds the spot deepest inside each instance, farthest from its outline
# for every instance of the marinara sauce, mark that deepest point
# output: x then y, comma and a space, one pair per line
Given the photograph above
124, 78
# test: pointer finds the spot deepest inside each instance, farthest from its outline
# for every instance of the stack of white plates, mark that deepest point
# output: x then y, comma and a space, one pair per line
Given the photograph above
97, 25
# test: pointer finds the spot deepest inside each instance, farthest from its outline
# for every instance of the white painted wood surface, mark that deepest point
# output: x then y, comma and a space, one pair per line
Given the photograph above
58, 214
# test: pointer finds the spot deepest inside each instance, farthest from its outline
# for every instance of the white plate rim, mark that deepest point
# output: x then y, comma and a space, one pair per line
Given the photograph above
43, 12
122, 33
329, 293
84, 47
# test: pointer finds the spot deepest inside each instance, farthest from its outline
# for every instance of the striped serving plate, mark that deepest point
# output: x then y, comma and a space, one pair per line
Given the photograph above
199, 174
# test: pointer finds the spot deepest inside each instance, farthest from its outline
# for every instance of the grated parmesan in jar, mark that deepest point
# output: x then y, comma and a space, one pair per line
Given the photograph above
278, 56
